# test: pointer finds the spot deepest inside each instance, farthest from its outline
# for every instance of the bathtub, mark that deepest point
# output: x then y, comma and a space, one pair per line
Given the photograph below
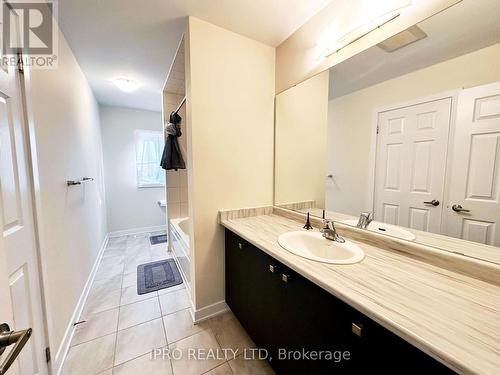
179, 245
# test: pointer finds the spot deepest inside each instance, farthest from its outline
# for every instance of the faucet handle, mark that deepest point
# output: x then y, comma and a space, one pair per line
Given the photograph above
367, 214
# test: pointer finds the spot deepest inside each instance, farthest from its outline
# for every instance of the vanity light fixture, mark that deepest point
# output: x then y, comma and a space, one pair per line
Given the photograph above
359, 32
126, 85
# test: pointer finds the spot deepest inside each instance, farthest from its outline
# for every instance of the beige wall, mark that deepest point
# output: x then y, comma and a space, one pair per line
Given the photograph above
301, 125
230, 87
301, 55
350, 118
73, 219
127, 206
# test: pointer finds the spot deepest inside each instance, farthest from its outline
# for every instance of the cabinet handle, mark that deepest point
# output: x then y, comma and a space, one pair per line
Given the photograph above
241, 245
285, 277
272, 268
357, 329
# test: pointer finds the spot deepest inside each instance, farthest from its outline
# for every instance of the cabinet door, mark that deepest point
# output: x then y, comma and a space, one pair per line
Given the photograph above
236, 278
314, 321
381, 350
265, 301
252, 291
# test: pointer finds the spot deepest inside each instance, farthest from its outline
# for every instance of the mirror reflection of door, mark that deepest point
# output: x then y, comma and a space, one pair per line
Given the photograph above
411, 164
412, 175
473, 211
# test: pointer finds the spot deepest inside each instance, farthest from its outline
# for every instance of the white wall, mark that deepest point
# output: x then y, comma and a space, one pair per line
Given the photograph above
300, 147
73, 219
350, 119
230, 110
127, 206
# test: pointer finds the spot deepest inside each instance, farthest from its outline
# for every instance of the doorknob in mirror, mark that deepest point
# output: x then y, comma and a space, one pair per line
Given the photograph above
7, 338
433, 202
458, 208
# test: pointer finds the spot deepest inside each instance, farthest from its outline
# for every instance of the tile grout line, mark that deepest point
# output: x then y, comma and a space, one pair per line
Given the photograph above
118, 322
120, 306
119, 313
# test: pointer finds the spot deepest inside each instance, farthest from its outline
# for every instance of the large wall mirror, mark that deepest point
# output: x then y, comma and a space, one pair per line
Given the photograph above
408, 130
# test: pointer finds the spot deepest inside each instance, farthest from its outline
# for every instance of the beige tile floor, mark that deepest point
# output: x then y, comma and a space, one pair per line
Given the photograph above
122, 328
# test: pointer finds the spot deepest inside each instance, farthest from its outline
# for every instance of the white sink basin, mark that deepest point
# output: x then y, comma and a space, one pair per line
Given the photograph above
312, 245
390, 230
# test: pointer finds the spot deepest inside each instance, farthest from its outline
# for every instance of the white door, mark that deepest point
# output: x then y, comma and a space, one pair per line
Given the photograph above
411, 163
475, 176
6, 315
18, 230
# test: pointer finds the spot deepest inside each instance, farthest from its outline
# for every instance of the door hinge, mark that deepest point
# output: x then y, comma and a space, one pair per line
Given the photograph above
378, 129
47, 354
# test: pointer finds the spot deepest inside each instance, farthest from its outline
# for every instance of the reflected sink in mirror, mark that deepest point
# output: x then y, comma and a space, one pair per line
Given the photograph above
313, 246
390, 230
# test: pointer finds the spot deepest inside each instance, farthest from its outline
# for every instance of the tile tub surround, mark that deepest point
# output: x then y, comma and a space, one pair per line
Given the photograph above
121, 328
449, 315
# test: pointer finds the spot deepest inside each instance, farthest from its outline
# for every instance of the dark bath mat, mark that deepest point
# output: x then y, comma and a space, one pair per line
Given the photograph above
157, 275
155, 240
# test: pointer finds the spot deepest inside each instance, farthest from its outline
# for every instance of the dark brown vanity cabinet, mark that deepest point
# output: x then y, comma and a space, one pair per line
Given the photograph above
294, 320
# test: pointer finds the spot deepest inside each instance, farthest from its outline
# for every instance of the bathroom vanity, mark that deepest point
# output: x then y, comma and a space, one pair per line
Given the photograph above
396, 311
398, 147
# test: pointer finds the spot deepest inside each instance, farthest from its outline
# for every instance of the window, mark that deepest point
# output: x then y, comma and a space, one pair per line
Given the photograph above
148, 151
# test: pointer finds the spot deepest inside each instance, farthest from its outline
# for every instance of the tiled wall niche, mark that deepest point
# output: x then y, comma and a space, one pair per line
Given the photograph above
177, 185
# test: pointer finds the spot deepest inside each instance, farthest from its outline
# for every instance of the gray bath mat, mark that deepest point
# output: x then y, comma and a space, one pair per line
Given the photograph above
155, 240
157, 275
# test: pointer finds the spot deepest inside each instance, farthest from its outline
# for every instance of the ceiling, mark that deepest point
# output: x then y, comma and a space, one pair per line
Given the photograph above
137, 40
465, 27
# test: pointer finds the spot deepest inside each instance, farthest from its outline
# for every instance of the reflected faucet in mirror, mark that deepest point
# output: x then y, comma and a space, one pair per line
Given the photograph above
330, 232
365, 218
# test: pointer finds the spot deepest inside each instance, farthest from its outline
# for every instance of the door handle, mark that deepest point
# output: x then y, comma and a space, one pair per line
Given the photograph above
7, 338
458, 208
433, 202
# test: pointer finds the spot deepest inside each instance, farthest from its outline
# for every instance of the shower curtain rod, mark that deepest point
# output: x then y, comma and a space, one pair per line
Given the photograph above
181, 104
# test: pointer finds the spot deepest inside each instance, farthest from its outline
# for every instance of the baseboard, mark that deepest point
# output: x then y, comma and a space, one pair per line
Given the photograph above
125, 232
209, 311
68, 335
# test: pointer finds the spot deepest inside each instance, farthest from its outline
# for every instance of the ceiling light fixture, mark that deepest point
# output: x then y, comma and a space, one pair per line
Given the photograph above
374, 22
126, 85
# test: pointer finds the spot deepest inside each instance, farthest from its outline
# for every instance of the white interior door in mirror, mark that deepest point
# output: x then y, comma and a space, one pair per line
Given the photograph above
411, 163
475, 175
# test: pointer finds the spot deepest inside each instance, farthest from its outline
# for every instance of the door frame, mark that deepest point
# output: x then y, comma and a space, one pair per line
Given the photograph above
23, 81
453, 95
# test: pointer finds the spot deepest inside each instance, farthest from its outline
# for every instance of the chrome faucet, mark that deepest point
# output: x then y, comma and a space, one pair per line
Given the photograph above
329, 231
365, 219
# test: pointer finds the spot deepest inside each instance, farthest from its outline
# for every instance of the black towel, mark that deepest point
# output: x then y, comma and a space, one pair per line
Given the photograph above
172, 155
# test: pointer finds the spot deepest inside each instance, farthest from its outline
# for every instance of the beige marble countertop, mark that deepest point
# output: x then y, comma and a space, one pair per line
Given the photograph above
451, 316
